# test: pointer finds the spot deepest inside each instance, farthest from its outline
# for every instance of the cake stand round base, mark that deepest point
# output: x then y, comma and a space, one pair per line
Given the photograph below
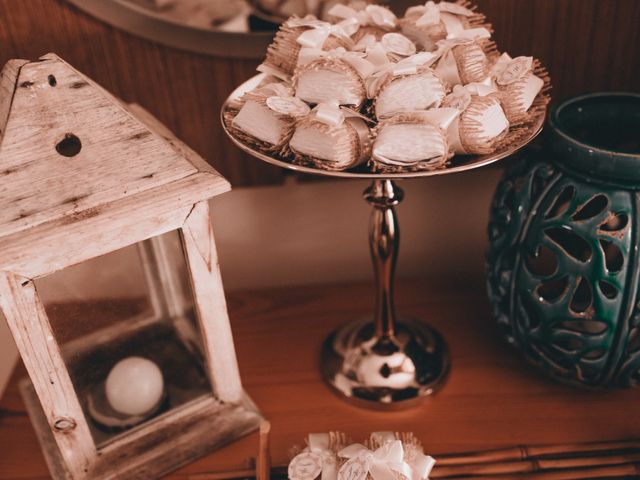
387, 372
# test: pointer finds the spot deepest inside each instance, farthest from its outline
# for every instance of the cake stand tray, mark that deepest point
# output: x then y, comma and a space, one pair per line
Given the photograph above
380, 361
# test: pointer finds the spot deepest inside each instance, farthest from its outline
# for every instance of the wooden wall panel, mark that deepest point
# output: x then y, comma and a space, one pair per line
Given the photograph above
587, 45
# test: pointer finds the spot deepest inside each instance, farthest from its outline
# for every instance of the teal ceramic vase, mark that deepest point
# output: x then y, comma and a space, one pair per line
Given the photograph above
563, 263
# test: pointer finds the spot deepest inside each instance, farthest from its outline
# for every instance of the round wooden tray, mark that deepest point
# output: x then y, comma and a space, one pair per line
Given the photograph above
160, 27
459, 163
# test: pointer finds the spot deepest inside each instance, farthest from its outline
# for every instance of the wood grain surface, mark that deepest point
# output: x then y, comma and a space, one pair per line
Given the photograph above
587, 45
118, 155
492, 398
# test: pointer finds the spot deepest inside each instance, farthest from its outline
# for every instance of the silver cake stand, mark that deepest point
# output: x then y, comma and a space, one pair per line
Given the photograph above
382, 362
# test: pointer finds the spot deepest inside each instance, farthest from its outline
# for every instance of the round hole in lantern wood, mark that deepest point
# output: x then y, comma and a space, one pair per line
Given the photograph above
69, 146
52, 80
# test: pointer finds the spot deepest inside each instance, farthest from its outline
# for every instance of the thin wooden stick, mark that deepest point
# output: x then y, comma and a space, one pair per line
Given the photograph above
235, 475
518, 453
532, 465
263, 465
613, 471
276, 472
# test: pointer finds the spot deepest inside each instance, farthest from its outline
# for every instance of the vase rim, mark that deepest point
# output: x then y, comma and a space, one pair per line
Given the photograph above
556, 124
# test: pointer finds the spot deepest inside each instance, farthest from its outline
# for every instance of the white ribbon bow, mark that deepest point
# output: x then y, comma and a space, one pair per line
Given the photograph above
460, 97
318, 459
318, 31
329, 113
447, 67
280, 99
279, 89
374, 15
385, 463
381, 464
394, 45
355, 59
508, 70
406, 66
445, 46
431, 12
421, 465
332, 114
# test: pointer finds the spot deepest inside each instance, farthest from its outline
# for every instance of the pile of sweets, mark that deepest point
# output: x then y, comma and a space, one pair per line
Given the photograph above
384, 456
198, 13
287, 8
389, 94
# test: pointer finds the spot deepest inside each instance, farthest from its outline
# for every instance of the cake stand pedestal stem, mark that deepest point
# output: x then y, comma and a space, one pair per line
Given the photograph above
384, 241
380, 361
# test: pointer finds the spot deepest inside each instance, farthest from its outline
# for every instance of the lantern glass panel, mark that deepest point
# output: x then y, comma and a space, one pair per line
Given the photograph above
134, 302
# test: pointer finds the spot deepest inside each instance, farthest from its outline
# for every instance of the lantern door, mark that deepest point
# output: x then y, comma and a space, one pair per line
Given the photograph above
140, 344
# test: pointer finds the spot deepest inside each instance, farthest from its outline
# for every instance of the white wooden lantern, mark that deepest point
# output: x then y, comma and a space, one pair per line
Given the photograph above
106, 253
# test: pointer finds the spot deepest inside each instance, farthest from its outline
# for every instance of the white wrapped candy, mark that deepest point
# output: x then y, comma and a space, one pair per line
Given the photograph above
517, 84
482, 122
337, 75
319, 459
429, 23
296, 33
412, 141
268, 115
374, 20
407, 86
463, 60
331, 138
385, 456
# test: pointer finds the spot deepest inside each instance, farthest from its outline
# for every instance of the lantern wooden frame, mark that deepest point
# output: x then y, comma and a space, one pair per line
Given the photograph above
130, 181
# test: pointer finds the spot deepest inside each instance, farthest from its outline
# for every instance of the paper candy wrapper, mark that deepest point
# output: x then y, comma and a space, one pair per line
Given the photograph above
267, 116
406, 88
410, 142
301, 8
329, 79
518, 85
331, 138
362, 20
463, 61
200, 13
481, 124
295, 33
430, 23
384, 456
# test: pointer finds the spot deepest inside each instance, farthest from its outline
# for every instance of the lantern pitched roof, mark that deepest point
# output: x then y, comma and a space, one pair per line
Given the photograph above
68, 148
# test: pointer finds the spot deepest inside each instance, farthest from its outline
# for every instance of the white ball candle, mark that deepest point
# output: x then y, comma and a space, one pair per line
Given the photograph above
134, 386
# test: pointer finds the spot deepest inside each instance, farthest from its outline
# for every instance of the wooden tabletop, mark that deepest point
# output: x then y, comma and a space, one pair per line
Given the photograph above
492, 397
